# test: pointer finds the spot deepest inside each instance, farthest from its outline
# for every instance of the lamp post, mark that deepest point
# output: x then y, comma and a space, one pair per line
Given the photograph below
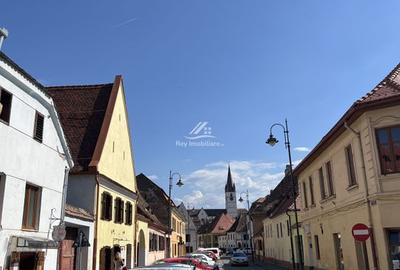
249, 229
179, 184
272, 141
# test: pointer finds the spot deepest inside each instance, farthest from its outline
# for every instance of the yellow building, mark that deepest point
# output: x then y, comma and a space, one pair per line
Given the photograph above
95, 121
159, 203
178, 234
353, 176
279, 227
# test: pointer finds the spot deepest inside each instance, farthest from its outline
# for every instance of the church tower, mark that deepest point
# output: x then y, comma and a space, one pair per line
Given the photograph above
230, 196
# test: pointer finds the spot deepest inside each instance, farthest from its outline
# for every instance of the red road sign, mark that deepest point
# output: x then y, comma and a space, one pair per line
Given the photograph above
360, 232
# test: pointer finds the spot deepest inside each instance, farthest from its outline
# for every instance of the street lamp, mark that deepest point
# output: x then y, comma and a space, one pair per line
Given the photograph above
179, 184
272, 141
249, 231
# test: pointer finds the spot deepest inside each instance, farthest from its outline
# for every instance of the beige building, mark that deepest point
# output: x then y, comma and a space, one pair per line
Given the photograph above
353, 176
279, 225
102, 182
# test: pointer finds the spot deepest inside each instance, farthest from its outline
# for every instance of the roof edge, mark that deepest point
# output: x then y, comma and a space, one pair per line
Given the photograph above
106, 123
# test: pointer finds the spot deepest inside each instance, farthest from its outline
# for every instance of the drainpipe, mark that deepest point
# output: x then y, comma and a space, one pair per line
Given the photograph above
64, 193
370, 221
96, 221
291, 239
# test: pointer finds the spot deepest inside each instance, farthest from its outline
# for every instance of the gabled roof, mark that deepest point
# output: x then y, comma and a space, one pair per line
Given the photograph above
156, 198
214, 212
85, 112
144, 209
239, 225
219, 225
385, 94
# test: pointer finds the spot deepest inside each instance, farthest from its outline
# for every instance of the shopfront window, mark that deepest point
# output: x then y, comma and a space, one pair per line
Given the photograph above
394, 244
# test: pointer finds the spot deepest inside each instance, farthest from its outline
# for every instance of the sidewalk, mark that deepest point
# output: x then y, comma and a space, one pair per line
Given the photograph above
269, 266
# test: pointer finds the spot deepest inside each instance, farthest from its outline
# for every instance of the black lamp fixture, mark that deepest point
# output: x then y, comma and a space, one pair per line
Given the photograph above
179, 183
271, 140
240, 199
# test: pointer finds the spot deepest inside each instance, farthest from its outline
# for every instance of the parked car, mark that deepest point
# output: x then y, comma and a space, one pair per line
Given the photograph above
216, 251
208, 253
188, 261
239, 258
205, 259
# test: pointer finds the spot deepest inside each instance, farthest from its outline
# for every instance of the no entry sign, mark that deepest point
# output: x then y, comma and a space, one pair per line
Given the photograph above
360, 232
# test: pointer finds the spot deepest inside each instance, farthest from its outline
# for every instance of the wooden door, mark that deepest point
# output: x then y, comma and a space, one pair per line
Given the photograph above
67, 255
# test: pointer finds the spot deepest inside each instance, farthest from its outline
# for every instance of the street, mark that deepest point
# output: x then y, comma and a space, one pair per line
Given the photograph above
225, 265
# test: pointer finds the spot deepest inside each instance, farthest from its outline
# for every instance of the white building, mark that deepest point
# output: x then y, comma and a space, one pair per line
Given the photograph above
191, 229
34, 166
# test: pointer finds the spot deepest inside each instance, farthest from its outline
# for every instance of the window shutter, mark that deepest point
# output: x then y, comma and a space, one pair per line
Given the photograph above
103, 206
39, 124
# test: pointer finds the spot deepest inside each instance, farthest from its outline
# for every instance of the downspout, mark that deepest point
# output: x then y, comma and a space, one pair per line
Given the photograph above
96, 221
370, 221
291, 239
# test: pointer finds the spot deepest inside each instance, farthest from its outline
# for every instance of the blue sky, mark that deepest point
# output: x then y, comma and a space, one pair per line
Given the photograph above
238, 65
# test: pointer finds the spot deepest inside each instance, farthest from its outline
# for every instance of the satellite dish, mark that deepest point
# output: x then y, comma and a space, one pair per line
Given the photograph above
59, 233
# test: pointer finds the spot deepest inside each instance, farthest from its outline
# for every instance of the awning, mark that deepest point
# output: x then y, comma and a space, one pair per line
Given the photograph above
35, 242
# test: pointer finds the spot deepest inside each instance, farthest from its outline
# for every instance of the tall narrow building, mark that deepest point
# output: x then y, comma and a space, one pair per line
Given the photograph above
230, 196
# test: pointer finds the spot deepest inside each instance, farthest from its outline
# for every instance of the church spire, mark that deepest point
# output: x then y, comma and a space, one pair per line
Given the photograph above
230, 186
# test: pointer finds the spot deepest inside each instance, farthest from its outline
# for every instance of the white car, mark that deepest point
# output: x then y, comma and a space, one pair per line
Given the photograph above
216, 251
204, 258
239, 258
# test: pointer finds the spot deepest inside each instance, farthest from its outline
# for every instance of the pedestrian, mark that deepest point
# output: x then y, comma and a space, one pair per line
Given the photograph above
118, 261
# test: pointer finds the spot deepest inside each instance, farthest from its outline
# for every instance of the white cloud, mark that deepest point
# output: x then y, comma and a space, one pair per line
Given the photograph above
207, 184
128, 21
302, 149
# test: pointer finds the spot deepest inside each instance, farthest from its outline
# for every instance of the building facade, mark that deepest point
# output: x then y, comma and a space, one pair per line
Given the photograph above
167, 214
34, 167
353, 176
95, 121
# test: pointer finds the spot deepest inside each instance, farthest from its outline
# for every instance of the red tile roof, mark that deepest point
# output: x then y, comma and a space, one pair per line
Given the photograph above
385, 94
81, 109
77, 212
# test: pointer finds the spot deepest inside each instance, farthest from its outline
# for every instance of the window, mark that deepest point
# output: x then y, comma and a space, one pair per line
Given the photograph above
317, 252
350, 166
31, 208
288, 227
38, 129
328, 166
322, 183
128, 213
311, 184
280, 225
161, 242
153, 241
277, 230
389, 149
5, 106
188, 238
119, 210
106, 206
305, 194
